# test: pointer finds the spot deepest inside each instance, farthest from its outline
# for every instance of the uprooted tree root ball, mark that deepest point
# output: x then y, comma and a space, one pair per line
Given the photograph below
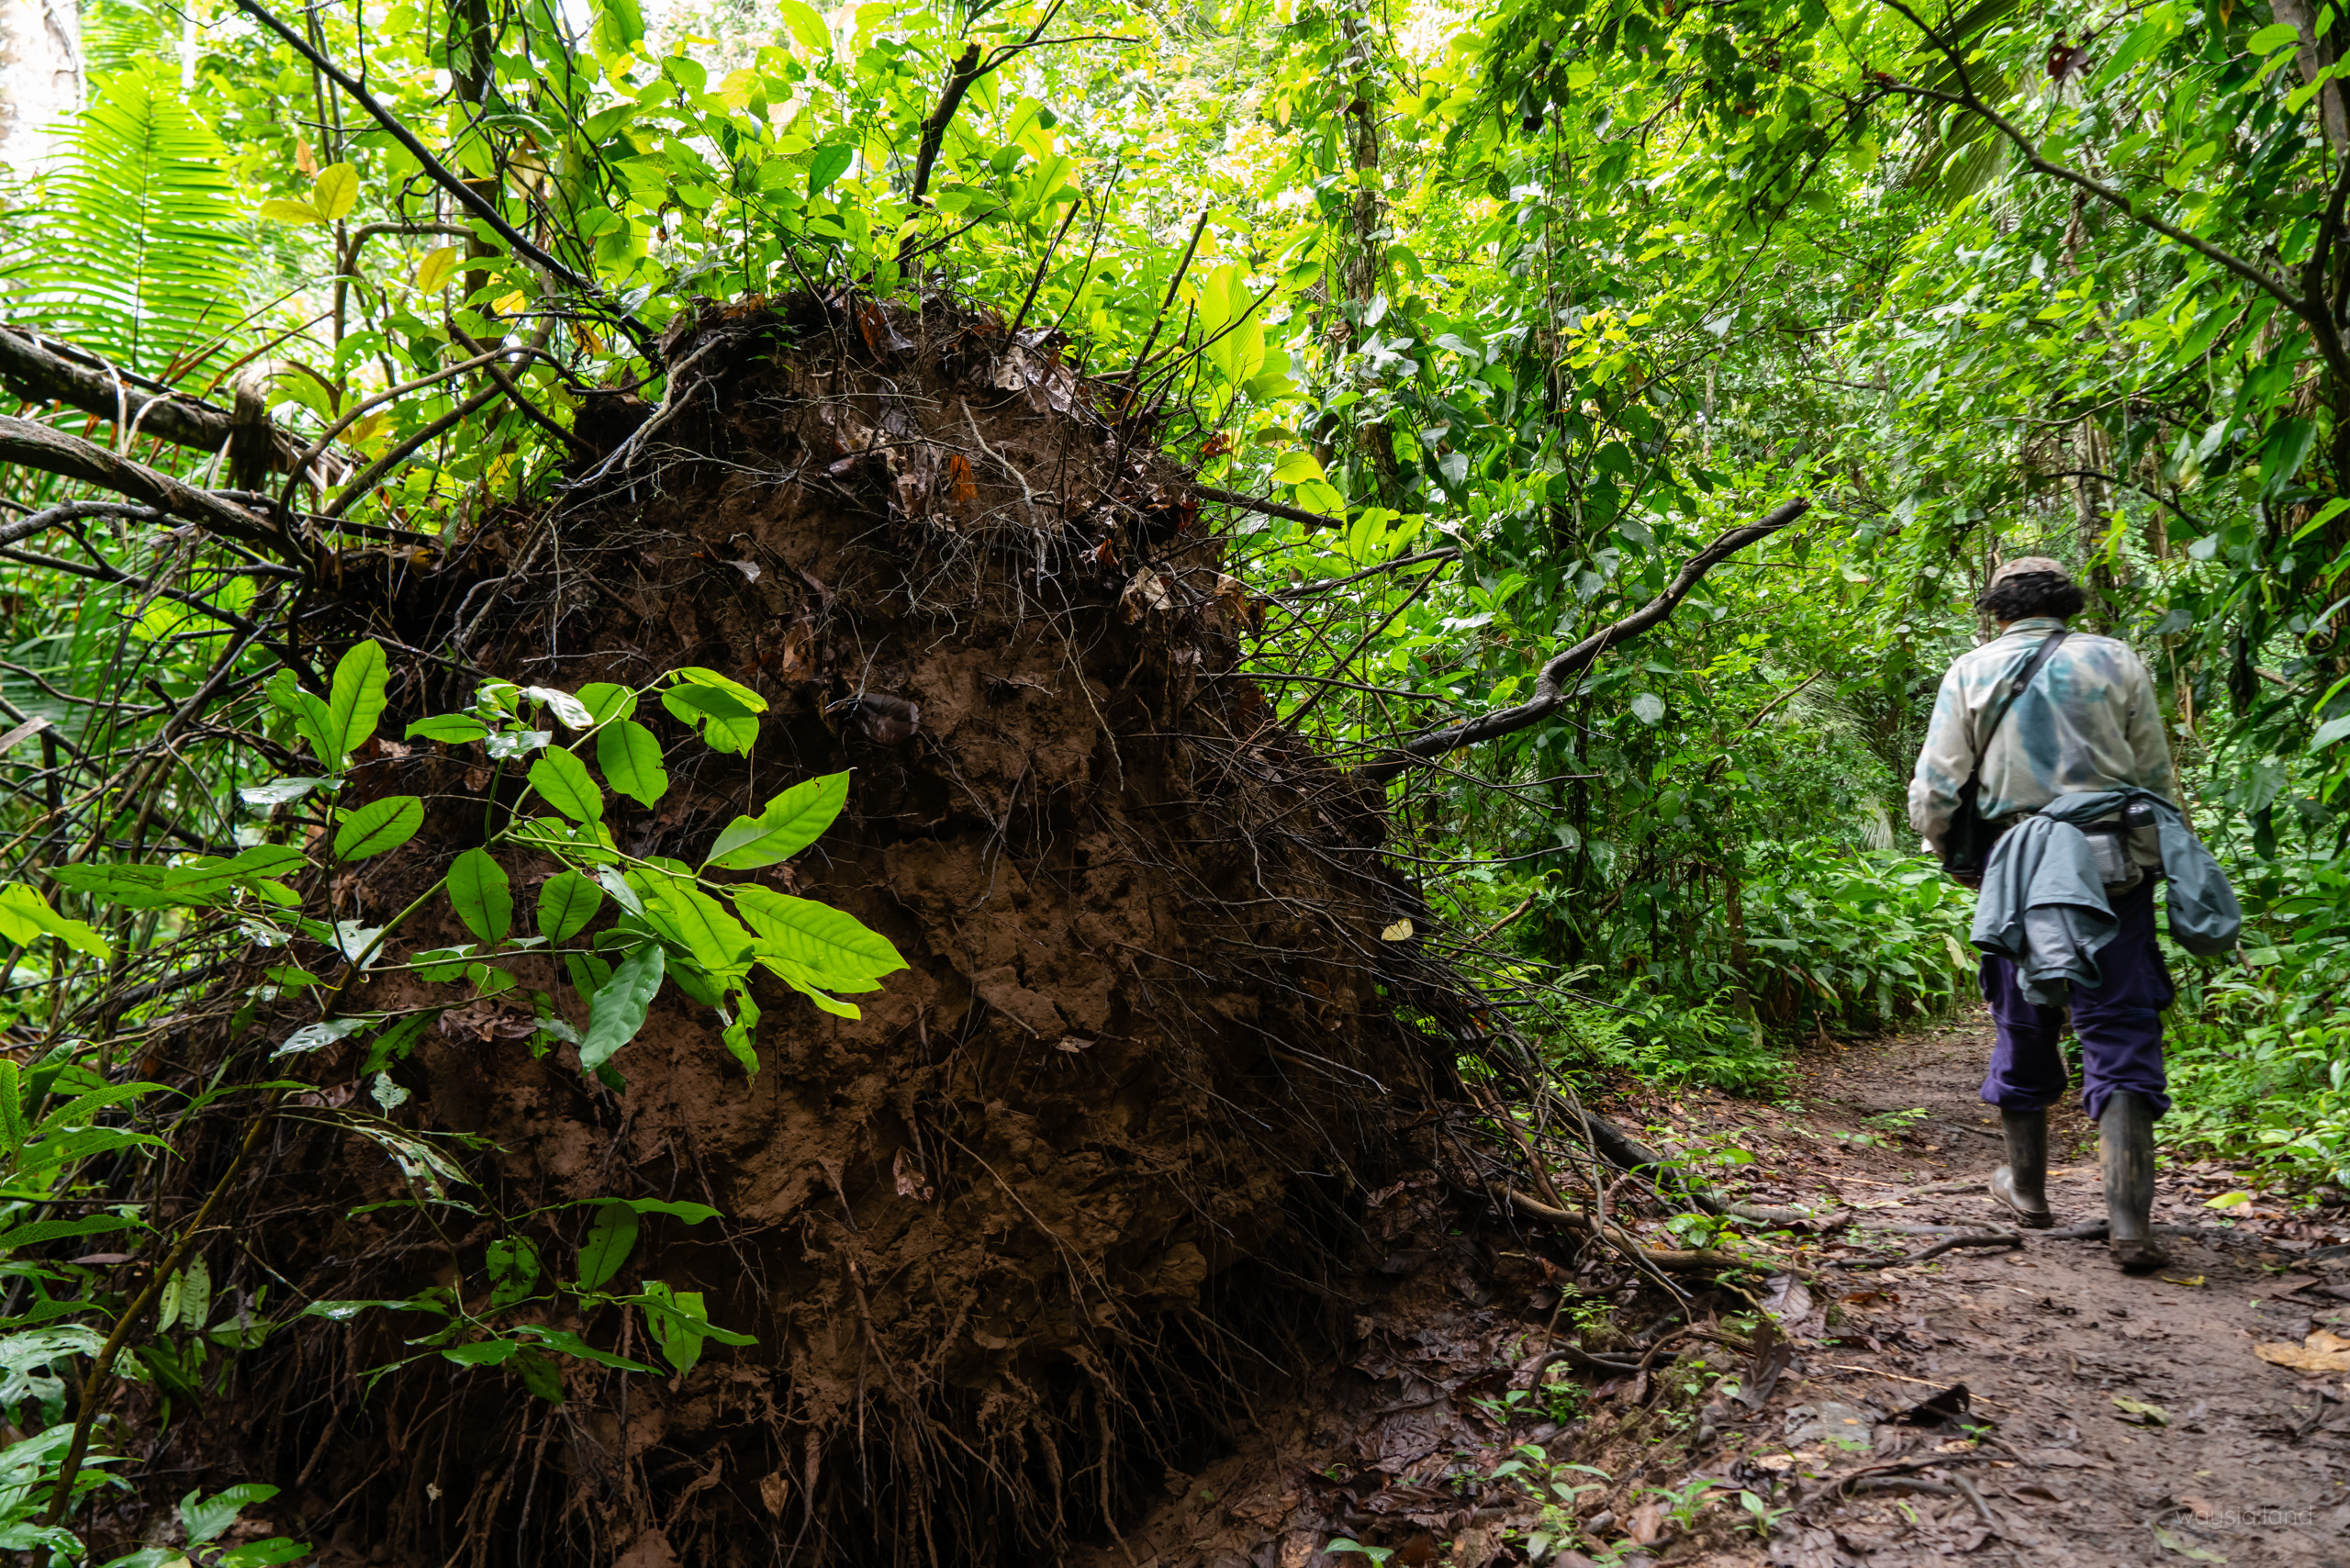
1016, 1241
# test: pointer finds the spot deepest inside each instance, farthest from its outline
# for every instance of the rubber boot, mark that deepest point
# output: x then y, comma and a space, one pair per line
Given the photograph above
2021, 1184
2126, 1145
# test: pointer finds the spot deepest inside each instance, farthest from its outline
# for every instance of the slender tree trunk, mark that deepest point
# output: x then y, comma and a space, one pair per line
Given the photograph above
1362, 270
2091, 452
40, 78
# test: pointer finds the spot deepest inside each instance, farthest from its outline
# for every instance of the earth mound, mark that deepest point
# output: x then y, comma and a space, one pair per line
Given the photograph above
1021, 1239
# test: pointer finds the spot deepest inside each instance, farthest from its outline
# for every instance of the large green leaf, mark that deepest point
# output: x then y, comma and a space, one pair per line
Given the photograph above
791, 821
630, 759
610, 1238
832, 945
482, 896
377, 826
618, 1010
566, 903
356, 698
25, 918
199, 883
562, 781
693, 920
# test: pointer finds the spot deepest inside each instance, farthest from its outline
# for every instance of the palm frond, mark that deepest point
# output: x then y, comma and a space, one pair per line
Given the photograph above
134, 248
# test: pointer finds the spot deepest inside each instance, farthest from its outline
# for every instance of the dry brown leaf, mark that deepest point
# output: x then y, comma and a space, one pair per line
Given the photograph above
2323, 1351
1648, 1523
908, 1178
1147, 591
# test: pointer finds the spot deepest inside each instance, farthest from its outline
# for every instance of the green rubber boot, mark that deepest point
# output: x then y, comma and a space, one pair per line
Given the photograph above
2126, 1146
2021, 1184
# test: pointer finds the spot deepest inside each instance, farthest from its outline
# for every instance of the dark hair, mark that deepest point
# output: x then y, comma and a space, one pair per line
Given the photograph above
2027, 594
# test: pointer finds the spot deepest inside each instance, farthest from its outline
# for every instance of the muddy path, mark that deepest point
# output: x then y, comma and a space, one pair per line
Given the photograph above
1509, 1404
2122, 1420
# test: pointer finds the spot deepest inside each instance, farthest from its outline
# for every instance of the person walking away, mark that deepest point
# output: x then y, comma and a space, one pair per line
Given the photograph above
2085, 722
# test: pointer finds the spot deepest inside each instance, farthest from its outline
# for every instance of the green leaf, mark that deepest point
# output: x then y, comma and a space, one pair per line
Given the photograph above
207, 1521
832, 945
2142, 38
13, 1130
692, 1214
618, 1010
630, 759
16, 1238
539, 1374
318, 1037
620, 25
693, 920
1296, 469
611, 1239
513, 1265
562, 781
25, 918
741, 1034
289, 209
357, 699
201, 882
2272, 38
793, 821
483, 1352
808, 27
830, 163
482, 896
566, 903
569, 711
335, 191
2330, 731
455, 729
606, 701
377, 826
313, 718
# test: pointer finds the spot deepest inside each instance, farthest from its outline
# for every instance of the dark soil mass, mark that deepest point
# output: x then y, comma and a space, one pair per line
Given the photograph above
1021, 1239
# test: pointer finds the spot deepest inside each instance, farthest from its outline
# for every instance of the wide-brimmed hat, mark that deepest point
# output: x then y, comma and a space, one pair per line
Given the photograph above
2023, 564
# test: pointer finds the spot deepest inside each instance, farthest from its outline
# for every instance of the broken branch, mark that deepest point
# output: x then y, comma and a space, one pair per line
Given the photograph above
1549, 684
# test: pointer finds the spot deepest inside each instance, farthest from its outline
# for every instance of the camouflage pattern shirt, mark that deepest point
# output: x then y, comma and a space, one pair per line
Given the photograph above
2087, 722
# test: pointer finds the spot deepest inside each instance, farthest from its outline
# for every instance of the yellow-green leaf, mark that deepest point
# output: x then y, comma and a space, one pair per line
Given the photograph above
434, 270
334, 191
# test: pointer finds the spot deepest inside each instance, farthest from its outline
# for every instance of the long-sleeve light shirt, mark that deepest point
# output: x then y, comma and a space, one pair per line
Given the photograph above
2089, 722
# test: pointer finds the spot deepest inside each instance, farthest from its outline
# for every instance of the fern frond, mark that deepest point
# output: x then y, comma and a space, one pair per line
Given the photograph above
134, 251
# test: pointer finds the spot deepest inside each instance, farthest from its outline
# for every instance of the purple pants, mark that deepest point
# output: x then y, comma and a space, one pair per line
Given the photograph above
2117, 1020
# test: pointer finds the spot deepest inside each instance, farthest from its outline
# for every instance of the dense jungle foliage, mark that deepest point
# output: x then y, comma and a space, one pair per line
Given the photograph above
1504, 308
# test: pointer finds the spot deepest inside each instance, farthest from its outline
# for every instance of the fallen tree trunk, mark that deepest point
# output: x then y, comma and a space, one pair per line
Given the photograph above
39, 371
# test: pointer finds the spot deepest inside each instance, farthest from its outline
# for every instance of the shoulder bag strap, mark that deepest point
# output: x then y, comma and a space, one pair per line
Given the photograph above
2016, 689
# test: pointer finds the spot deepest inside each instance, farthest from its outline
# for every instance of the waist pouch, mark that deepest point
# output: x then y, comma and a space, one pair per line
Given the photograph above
2109, 846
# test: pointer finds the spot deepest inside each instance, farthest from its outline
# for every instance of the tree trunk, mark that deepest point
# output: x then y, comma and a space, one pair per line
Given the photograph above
40, 78
1362, 270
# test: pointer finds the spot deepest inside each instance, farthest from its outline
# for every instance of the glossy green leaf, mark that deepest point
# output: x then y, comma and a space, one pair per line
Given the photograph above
483, 897
618, 1010
792, 821
562, 781
630, 759
356, 699
377, 826
832, 945
568, 902
453, 729
25, 918
605, 702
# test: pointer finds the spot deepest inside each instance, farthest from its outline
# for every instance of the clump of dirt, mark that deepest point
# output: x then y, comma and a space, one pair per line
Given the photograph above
1020, 1240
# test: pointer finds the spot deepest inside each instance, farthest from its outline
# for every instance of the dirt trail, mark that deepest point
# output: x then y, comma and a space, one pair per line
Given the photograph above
2106, 1419
2129, 1419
